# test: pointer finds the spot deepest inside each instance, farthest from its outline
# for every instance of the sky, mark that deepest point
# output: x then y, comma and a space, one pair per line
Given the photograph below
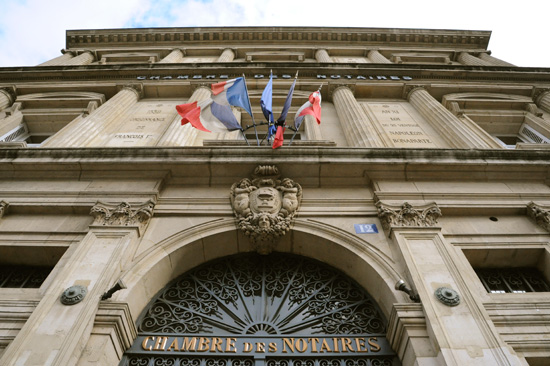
33, 31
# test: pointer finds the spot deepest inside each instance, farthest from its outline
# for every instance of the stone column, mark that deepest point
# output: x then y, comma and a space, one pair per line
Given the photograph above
60, 60
9, 123
312, 129
322, 56
6, 99
377, 58
174, 57
458, 324
543, 101
466, 59
178, 135
86, 131
450, 128
357, 126
493, 60
58, 333
227, 55
85, 58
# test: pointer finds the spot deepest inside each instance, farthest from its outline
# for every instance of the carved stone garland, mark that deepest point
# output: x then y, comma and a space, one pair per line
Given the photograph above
122, 214
407, 215
539, 214
265, 206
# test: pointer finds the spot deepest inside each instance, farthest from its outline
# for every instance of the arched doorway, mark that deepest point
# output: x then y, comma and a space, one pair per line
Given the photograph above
275, 310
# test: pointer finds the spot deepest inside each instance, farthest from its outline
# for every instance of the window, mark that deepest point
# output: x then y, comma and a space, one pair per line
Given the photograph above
512, 280
23, 276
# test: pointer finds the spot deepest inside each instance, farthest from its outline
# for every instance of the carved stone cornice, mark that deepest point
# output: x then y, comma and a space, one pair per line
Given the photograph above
122, 214
408, 216
3, 208
215, 35
265, 206
540, 215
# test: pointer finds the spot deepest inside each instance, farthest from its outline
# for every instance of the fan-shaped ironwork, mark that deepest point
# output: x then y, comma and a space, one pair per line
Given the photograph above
263, 295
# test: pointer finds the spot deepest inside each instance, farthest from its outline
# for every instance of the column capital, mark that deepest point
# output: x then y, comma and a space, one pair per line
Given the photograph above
332, 88
182, 50
411, 88
538, 93
82, 51
3, 208
123, 214
10, 92
408, 216
64, 51
540, 214
135, 87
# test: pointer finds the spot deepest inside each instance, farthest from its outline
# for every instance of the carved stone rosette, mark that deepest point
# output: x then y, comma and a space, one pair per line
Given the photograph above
539, 214
122, 214
265, 206
407, 215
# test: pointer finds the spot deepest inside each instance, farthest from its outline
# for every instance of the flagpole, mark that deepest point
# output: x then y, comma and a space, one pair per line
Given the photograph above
242, 131
251, 115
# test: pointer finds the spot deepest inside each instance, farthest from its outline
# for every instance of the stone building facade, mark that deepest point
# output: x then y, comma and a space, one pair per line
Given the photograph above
411, 227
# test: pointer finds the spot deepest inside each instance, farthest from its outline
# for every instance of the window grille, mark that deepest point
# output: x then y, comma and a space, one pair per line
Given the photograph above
512, 280
23, 276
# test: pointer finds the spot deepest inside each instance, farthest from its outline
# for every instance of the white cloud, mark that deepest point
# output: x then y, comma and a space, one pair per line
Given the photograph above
33, 31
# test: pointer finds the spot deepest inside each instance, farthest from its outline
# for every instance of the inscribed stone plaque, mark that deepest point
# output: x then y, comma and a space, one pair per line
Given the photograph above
400, 126
350, 60
145, 124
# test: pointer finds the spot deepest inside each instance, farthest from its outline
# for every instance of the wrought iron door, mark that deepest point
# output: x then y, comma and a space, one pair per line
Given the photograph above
245, 310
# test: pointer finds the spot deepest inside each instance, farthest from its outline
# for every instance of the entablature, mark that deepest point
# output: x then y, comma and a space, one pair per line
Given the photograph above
318, 35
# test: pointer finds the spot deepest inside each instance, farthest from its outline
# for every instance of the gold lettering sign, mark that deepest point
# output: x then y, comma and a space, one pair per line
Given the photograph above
272, 345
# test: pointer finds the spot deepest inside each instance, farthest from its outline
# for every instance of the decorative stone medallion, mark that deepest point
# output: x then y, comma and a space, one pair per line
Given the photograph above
447, 296
265, 206
73, 295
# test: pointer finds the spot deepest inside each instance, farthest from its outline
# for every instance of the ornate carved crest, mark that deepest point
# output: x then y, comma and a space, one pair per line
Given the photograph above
406, 215
122, 214
539, 214
265, 206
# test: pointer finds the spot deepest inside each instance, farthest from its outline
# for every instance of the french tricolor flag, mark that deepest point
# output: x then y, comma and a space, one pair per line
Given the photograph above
214, 114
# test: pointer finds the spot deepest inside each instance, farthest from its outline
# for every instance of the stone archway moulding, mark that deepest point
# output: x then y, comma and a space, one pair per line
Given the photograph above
175, 255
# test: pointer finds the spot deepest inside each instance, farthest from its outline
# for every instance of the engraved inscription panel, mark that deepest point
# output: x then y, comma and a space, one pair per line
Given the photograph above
350, 60
145, 124
401, 128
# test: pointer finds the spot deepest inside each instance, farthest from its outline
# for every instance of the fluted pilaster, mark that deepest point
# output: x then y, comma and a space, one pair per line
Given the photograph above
312, 129
178, 135
357, 126
6, 99
60, 60
87, 131
227, 55
173, 57
494, 61
85, 58
543, 101
377, 58
322, 56
455, 132
466, 59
